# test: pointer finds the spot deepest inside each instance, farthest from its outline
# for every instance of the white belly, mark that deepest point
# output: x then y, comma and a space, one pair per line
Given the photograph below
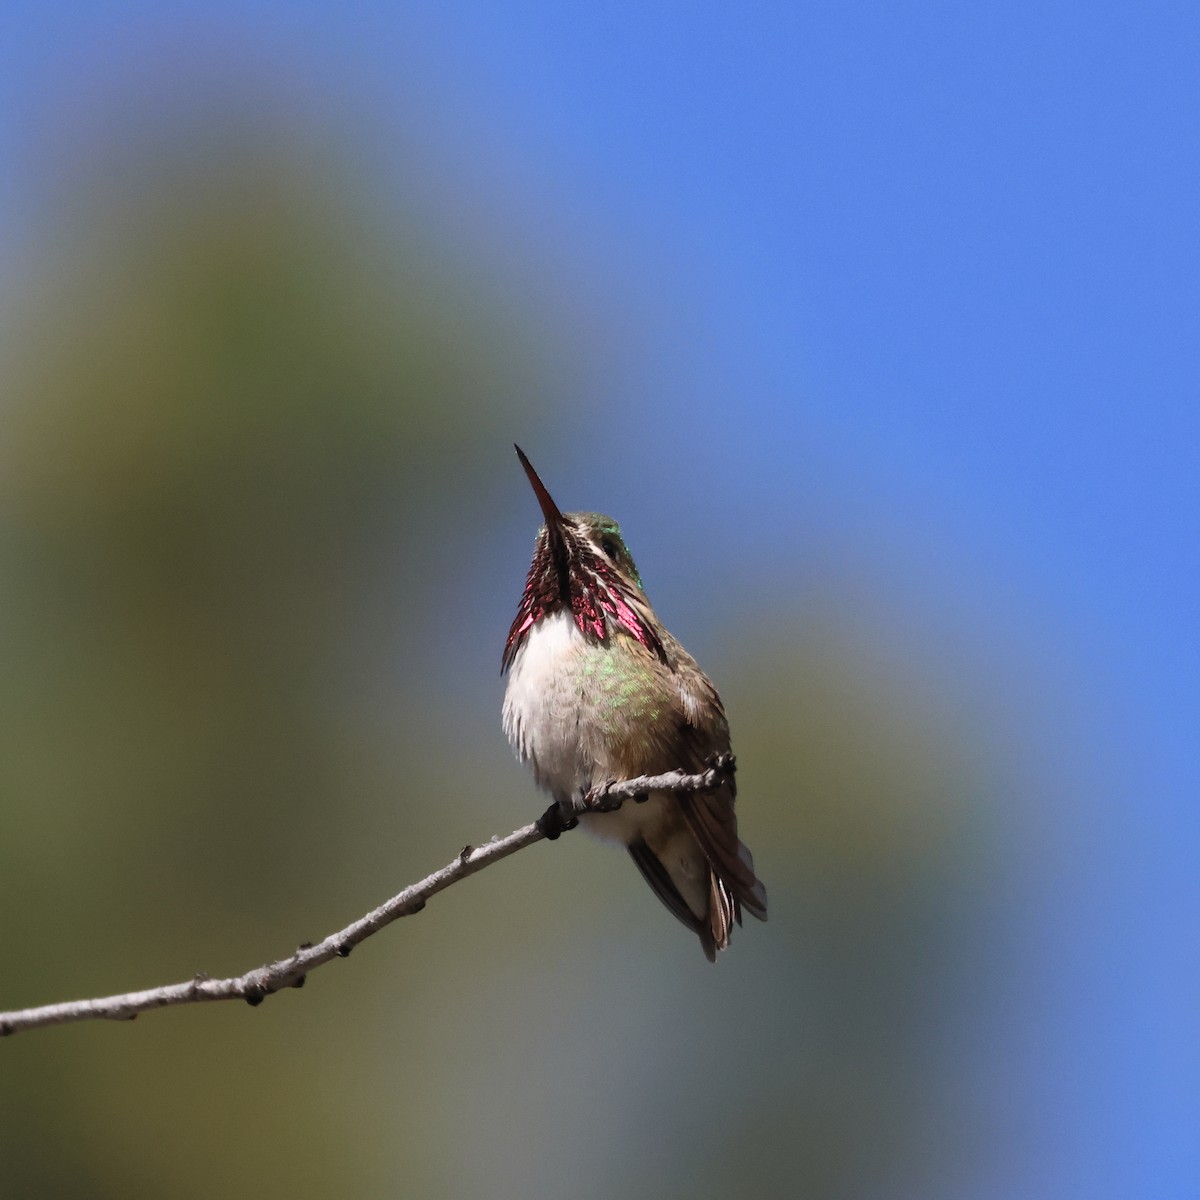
543, 703
544, 708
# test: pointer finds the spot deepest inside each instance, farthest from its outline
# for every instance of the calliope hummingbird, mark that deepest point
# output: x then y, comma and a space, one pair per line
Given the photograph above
598, 690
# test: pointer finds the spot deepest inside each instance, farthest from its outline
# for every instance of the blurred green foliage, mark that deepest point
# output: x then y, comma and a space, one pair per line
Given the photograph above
248, 411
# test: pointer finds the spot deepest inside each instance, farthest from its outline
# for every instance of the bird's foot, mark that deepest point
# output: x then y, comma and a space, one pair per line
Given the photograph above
557, 819
723, 764
598, 798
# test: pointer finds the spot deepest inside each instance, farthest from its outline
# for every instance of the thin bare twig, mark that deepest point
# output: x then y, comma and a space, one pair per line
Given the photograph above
254, 986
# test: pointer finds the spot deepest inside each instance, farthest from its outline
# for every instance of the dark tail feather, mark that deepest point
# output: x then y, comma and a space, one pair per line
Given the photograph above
723, 908
712, 821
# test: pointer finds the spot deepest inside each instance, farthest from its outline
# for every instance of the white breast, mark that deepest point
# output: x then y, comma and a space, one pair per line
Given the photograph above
543, 706
542, 703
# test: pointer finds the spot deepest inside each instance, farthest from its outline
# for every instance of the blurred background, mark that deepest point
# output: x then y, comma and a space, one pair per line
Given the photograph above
874, 325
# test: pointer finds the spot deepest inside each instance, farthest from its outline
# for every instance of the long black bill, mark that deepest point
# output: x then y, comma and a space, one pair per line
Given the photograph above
554, 521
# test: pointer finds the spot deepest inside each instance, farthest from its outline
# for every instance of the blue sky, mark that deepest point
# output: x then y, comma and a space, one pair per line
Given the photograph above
938, 265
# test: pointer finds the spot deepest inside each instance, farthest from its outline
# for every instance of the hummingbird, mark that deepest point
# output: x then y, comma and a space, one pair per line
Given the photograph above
599, 691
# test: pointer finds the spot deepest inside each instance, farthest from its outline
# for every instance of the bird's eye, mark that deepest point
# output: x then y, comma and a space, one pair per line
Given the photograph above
609, 547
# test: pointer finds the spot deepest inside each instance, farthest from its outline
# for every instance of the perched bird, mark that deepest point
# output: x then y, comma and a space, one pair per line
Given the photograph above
598, 691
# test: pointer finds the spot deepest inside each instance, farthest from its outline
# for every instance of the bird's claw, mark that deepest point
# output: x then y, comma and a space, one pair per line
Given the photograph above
597, 799
556, 820
725, 763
